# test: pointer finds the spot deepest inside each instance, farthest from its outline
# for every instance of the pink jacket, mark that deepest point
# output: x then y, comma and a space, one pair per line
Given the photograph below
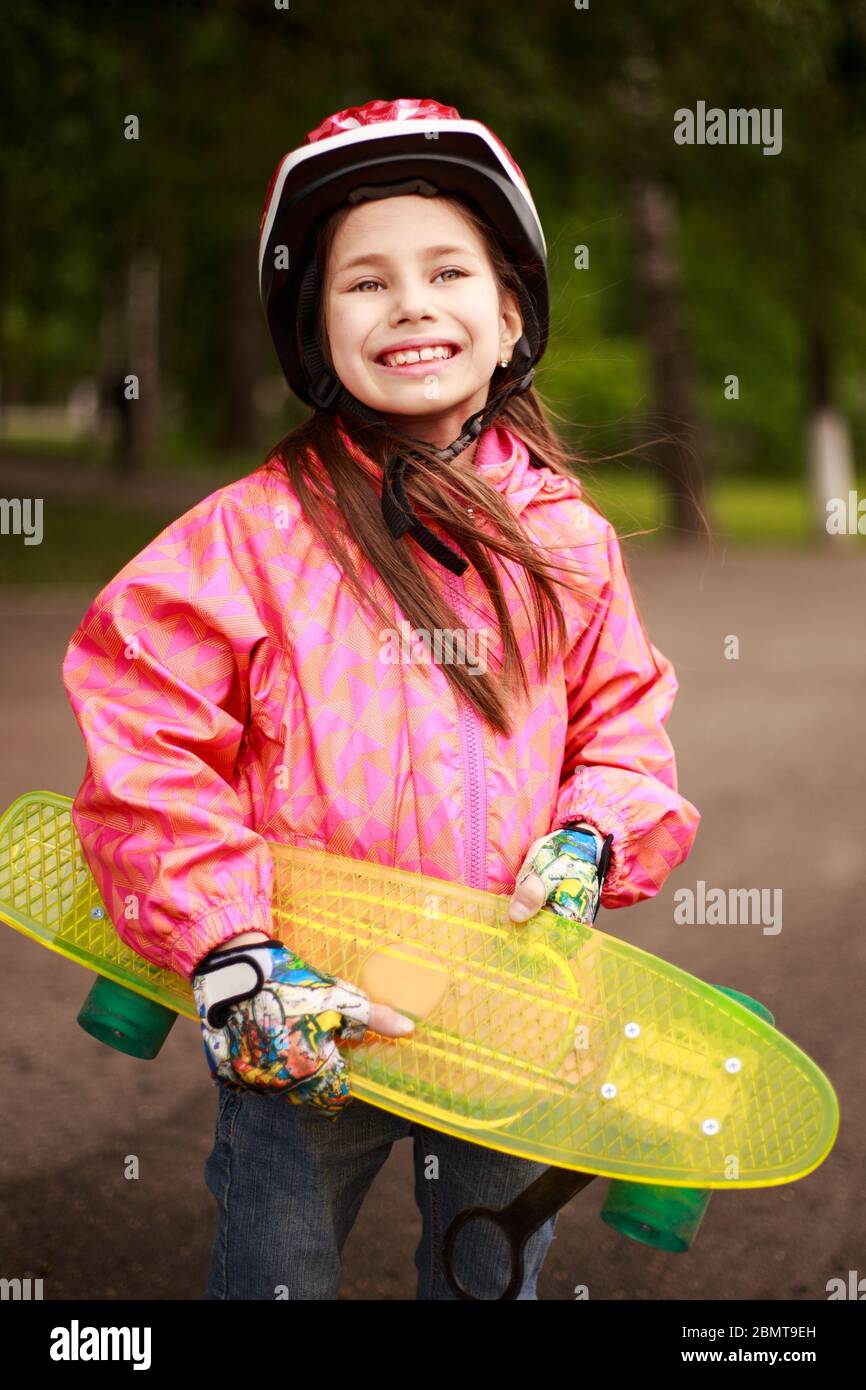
230, 692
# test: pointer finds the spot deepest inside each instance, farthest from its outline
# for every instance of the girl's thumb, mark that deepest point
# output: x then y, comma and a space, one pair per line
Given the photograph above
385, 1020
357, 1005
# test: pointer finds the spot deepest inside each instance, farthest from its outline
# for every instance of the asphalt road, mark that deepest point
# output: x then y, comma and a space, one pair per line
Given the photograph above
770, 748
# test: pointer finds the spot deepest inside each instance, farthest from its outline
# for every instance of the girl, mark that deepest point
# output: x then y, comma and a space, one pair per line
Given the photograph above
235, 683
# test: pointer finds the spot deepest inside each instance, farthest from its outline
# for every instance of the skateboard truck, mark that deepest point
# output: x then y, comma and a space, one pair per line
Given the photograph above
666, 1218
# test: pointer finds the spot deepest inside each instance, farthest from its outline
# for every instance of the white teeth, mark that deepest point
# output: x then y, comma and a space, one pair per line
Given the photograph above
425, 354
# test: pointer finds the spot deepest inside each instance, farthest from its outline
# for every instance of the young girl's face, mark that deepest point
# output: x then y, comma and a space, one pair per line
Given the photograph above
409, 271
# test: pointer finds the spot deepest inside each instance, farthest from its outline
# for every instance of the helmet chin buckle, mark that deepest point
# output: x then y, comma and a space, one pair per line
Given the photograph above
471, 431
325, 390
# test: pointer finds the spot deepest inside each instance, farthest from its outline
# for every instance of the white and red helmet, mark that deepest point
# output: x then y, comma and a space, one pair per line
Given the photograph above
380, 149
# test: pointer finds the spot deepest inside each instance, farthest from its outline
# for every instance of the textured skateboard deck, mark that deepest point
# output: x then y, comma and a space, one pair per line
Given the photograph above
552, 1040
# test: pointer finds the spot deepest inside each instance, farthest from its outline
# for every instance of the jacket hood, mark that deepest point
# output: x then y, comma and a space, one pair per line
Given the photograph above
504, 461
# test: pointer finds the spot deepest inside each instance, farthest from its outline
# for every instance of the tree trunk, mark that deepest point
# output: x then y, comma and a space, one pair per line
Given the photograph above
829, 451
242, 342
653, 214
143, 315
111, 364
657, 268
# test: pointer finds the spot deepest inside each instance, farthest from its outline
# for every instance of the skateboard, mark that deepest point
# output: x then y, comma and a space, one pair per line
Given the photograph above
551, 1040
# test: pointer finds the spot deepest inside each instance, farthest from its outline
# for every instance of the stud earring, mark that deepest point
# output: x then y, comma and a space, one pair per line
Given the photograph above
503, 362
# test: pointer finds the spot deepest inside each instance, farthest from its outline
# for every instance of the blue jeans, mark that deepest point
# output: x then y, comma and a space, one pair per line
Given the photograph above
289, 1183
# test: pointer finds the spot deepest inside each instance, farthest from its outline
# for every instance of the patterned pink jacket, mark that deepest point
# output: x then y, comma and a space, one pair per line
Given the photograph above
230, 692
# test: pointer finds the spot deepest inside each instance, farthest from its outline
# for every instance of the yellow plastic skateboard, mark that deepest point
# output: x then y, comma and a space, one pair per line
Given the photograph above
551, 1040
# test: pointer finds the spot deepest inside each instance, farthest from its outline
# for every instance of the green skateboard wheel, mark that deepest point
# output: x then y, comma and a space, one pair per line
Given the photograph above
125, 1020
666, 1218
756, 1007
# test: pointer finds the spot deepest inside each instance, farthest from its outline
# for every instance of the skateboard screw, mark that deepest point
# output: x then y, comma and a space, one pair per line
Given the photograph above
608, 1090
631, 1030
710, 1126
733, 1064
97, 913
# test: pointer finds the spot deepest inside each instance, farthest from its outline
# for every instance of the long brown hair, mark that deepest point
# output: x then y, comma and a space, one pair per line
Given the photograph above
314, 452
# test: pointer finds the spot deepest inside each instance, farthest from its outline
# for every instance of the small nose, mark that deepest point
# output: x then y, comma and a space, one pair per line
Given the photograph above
410, 314
410, 303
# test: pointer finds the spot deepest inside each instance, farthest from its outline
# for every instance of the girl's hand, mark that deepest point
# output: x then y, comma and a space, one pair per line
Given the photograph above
271, 1023
560, 872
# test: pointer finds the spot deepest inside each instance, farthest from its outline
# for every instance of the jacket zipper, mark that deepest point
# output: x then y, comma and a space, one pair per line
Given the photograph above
474, 779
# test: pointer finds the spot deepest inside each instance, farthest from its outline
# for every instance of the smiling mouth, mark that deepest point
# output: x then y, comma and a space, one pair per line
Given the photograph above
427, 354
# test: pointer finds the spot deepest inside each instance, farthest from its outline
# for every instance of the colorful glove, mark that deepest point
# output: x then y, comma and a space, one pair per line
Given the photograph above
563, 872
270, 1023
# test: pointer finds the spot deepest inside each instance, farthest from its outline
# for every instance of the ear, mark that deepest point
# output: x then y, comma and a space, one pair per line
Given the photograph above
510, 320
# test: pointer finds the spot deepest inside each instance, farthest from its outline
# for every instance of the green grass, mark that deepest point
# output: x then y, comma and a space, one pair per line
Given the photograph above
81, 544
631, 501
762, 512
740, 511
174, 456
53, 447
181, 455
